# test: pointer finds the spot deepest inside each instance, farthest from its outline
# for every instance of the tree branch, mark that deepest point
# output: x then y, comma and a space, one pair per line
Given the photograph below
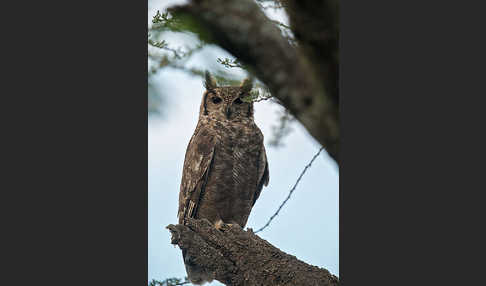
243, 29
237, 257
315, 25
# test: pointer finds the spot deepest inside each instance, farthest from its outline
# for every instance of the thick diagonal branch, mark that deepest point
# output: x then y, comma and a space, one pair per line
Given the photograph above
237, 257
315, 25
243, 29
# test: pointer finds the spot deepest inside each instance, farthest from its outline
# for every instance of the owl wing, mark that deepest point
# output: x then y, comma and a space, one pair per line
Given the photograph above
263, 174
197, 166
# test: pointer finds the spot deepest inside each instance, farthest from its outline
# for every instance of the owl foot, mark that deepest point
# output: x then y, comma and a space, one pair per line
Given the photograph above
220, 225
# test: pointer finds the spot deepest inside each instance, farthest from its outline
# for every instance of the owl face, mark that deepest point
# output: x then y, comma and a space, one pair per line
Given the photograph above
225, 103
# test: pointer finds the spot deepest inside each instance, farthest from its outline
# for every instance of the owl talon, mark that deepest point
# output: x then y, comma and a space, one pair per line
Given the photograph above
221, 226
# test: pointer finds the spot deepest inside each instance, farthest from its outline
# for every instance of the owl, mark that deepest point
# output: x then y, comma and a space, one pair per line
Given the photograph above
225, 167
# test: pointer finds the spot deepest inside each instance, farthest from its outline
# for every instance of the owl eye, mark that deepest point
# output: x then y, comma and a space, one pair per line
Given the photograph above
238, 101
216, 100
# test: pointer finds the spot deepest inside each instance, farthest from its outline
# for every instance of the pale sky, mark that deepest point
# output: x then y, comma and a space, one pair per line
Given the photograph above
306, 227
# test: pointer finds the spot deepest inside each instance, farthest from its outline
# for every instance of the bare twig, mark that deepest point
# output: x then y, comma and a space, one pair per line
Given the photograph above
169, 282
280, 24
177, 53
291, 191
263, 98
230, 63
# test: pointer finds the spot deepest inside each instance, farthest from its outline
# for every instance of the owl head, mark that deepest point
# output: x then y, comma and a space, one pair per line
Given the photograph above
225, 102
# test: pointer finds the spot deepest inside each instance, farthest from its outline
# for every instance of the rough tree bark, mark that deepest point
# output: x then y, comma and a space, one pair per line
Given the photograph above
315, 25
237, 257
302, 78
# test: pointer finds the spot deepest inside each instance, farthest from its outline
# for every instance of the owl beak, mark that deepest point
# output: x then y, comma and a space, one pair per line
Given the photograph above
228, 111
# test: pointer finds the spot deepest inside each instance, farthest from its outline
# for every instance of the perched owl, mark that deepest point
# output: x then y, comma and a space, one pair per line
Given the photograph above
225, 166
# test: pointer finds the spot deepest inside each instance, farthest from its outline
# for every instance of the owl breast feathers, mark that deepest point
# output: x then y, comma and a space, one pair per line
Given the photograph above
225, 166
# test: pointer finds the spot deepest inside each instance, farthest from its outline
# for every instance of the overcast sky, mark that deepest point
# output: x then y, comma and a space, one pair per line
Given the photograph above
307, 226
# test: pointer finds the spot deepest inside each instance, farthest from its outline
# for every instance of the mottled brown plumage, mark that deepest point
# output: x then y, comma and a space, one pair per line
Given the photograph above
225, 166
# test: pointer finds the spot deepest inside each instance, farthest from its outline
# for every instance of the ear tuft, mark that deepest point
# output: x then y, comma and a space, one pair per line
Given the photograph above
209, 82
246, 85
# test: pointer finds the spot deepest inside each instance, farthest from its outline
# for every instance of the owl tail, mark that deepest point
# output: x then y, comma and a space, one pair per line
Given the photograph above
196, 274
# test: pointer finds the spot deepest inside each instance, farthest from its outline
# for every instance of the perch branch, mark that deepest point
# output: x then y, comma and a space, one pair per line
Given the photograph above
237, 257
